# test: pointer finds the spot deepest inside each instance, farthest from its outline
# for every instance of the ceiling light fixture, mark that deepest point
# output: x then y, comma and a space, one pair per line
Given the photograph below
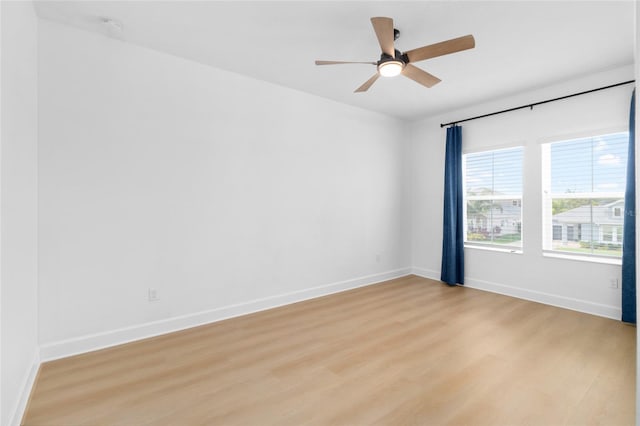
390, 68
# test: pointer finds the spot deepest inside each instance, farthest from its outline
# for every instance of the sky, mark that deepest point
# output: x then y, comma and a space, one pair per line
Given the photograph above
499, 170
590, 165
594, 164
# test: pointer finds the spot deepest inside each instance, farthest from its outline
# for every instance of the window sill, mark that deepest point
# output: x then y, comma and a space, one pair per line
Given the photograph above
511, 250
579, 258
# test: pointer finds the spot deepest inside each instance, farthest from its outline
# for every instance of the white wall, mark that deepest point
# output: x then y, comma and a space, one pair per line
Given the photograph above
18, 208
216, 189
576, 285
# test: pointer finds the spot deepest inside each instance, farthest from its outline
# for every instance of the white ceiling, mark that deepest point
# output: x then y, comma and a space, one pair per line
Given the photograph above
519, 45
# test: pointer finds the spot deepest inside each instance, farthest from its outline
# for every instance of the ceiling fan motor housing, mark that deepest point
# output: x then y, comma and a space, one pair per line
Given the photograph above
399, 56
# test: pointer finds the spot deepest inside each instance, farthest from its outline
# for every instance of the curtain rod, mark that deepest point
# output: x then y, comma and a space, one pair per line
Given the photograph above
538, 103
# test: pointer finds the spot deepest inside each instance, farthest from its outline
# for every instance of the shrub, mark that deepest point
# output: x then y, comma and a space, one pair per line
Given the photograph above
476, 237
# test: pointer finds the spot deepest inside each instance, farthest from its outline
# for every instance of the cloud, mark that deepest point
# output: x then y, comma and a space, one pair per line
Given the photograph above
601, 144
609, 160
608, 186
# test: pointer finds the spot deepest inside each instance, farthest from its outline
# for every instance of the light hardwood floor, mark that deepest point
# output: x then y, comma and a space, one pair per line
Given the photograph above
409, 351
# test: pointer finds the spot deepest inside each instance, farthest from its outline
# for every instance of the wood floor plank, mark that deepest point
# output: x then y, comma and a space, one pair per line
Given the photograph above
407, 351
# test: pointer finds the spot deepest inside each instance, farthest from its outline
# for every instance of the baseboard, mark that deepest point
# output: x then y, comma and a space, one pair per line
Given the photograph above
98, 341
573, 304
426, 273
25, 391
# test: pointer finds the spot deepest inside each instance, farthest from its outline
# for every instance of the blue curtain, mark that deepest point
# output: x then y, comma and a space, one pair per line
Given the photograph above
452, 271
629, 238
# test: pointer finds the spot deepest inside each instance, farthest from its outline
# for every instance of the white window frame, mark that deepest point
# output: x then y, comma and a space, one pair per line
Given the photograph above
547, 199
518, 198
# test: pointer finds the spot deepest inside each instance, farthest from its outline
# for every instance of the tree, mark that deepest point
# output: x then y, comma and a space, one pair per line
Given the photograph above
478, 212
560, 205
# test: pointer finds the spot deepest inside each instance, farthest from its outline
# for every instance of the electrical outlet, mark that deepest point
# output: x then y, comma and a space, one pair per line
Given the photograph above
613, 283
153, 295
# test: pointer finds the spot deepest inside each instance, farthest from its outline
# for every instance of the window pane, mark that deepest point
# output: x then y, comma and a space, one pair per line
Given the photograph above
587, 226
610, 163
571, 167
593, 165
493, 197
583, 182
495, 222
494, 172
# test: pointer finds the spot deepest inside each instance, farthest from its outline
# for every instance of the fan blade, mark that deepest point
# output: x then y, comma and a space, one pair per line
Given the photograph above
342, 62
442, 48
384, 31
367, 84
420, 76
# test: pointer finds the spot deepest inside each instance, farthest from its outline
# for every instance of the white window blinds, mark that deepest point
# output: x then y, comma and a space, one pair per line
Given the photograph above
583, 195
493, 198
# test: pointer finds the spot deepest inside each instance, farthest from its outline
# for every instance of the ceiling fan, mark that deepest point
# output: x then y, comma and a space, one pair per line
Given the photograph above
393, 62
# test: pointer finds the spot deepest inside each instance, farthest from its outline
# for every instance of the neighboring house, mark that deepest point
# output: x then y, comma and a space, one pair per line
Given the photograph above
499, 217
591, 224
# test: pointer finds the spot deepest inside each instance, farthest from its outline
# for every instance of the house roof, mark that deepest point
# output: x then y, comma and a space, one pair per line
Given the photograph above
600, 215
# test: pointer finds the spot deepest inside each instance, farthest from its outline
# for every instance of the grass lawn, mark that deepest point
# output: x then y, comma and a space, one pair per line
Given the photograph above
507, 238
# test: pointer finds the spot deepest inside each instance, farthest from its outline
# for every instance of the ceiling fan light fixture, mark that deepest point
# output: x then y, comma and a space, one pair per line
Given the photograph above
390, 68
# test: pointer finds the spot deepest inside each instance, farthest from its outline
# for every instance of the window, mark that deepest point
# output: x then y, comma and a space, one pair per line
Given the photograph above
612, 234
583, 192
607, 233
493, 198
